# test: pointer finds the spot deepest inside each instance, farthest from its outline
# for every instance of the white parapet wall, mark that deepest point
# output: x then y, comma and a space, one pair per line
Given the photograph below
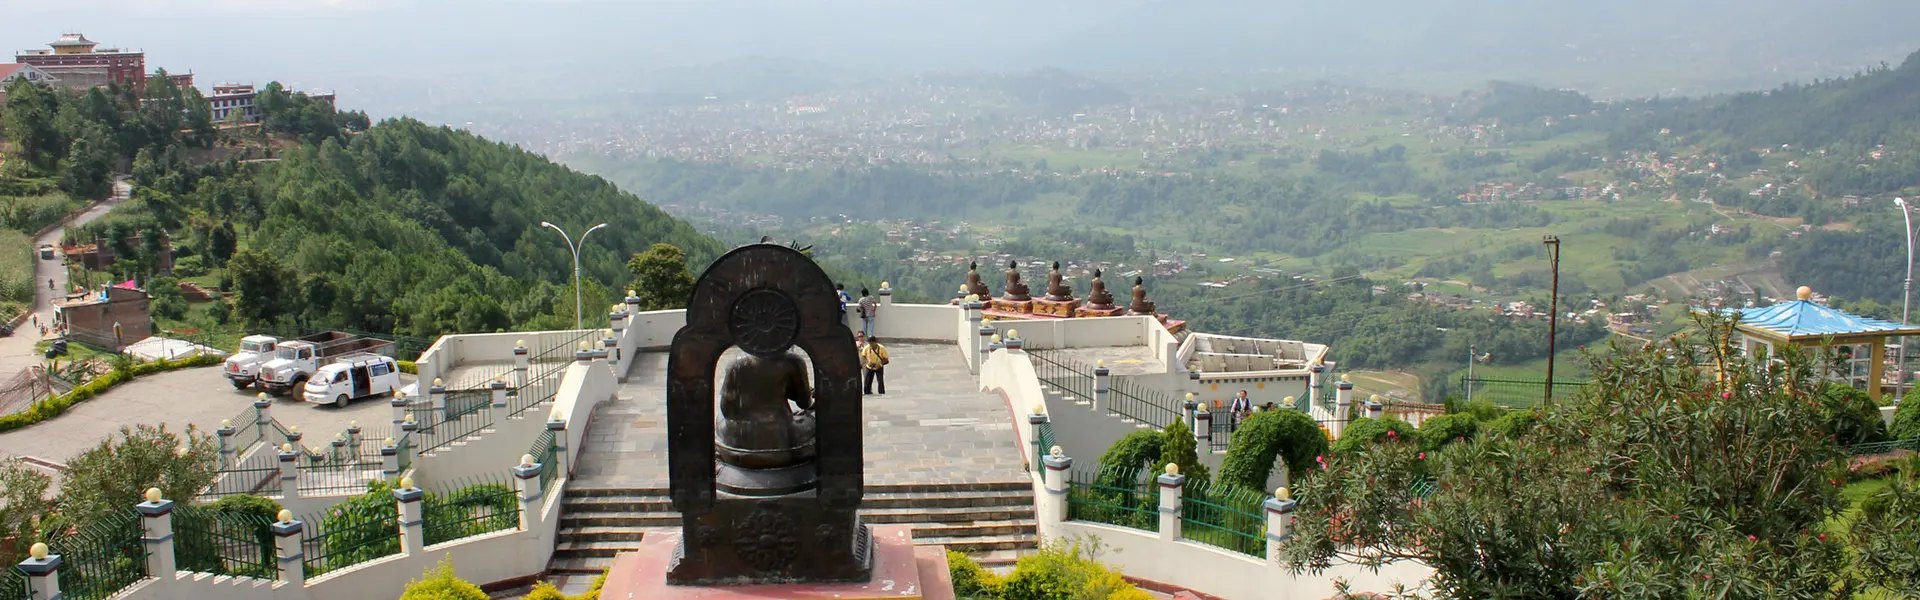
915, 322
1227, 574
1088, 332
583, 386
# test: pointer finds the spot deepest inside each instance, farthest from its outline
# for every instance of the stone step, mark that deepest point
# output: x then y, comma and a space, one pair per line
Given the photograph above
974, 530
882, 500
972, 545
938, 514
620, 520
997, 558
599, 533
872, 488
581, 565
593, 548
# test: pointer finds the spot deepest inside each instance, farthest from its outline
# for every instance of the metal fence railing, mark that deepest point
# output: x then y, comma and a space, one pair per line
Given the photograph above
1224, 517
471, 508
13, 583
1872, 448
540, 388
405, 447
224, 543
258, 473
1115, 495
340, 469
350, 534
1042, 445
546, 452
246, 429
1141, 403
1517, 392
1063, 376
467, 412
100, 558
1220, 431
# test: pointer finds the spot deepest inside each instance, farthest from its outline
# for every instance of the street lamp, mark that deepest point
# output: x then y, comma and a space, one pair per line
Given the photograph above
1906, 295
574, 247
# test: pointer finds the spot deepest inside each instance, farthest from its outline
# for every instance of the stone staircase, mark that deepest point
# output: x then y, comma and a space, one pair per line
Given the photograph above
993, 522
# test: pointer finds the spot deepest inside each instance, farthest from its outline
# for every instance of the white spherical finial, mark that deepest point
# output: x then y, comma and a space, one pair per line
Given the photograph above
526, 460
288, 448
294, 430
1283, 494
1804, 292
406, 483
1173, 468
963, 288
1013, 334
522, 344
1345, 379
286, 516
340, 437
264, 396
38, 551
1374, 398
397, 394
1056, 452
388, 442
886, 286
353, 423
1039, 409
584, 347
1102, 363
409, 419
632, 294
996, 338
436, 382
1289, 400
226, 423
153, 494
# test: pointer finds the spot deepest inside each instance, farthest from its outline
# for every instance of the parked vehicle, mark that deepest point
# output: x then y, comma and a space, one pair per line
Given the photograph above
46, 252
352, 376
296, 360
243, 368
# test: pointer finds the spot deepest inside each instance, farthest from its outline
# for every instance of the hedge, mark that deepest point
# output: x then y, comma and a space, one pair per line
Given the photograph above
53, 407
407, 366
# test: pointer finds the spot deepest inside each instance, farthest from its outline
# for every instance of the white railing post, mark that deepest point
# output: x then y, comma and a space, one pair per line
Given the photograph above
973, 345
409, 454
611, 345
558, 426
1193, 421
397, 406
1342, 407
229, 457
886, 298
985, 344
413, 531
499, 390
585, 354
1053, 506
437, 396
353, 434
1013, 343
1316, 378
1193, 379
1375, 409
1102, 381
1034, 422
633, 302
156, 534
1172, 486
389, 459
43, 573
290, 471
286, 537
263, 413
1203, 429
521, 361
528, 474
617, 321
1279, 523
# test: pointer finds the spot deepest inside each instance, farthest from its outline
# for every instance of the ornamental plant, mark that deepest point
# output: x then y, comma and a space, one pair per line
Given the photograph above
1284, 435
1684, 470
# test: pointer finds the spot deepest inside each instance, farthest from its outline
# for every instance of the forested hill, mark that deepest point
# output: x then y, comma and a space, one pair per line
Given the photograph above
398, 227
426, 229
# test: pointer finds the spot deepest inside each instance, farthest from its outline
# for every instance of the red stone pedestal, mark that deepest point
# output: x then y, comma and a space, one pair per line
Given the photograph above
1084, 311
1016, 307
1052, 308
901, 571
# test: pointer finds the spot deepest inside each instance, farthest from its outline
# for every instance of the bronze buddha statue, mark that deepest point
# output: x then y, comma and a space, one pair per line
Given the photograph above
1057, 290
1016, 291
757, 429
1140, 303
975, 286
1099, 298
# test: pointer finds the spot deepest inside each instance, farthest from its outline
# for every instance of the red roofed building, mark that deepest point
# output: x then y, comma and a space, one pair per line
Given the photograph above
74, 51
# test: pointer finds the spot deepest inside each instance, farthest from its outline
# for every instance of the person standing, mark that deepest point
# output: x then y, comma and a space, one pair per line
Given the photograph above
1242, 406
840, 289
873, 359
868, 309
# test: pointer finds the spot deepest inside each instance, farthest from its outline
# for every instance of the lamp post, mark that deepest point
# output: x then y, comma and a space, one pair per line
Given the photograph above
1553, 316
574, 247
1906, 297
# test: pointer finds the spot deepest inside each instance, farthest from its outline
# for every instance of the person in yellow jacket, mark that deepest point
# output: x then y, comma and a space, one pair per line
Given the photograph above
873, 361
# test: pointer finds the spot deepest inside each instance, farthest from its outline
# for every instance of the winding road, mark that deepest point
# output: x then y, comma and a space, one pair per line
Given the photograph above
16, 352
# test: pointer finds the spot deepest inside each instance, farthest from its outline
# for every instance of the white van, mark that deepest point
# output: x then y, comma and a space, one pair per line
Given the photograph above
352, 376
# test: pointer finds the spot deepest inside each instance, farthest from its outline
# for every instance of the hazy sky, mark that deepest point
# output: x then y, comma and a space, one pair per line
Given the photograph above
402, 53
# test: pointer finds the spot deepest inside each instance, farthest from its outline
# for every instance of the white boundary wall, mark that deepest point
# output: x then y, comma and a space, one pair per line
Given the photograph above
1228, 574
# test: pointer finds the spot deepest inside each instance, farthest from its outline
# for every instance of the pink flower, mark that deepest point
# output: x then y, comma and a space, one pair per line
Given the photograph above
1823, 537
1423, 456
1390, 433
1726, 395
1752, 538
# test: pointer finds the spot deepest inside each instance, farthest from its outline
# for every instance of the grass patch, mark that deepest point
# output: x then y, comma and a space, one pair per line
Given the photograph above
17, 259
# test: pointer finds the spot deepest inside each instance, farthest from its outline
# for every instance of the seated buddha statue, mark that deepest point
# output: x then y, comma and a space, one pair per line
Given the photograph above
1057, 290
1140, 303
1016, 291
766, 417
1099, 298
975, 286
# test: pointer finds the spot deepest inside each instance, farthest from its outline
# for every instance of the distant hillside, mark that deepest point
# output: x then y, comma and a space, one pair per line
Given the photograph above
1719, 43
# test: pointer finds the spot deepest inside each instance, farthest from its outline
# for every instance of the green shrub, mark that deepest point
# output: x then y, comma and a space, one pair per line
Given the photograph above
1850, 415
1134, 449
1514, 424
1437, 432
970, 580
407, 366
1906, 419
439, 583
249, 504
1364, 431
1481, 410
1283, 435
1065, 571
1177, 446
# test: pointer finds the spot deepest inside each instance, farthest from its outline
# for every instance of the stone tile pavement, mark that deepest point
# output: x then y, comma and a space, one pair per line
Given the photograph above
931, 427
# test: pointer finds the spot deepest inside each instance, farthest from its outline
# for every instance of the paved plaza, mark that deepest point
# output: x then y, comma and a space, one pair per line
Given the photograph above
931, 427
200, 397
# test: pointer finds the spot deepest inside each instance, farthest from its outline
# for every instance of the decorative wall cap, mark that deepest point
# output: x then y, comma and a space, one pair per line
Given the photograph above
41, 566
409, 495
154, 509
1057, 463
1281, 506
527, 471
557, 424
287, 528
1174, 480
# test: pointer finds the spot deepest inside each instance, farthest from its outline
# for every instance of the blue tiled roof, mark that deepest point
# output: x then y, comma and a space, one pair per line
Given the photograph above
1801, 318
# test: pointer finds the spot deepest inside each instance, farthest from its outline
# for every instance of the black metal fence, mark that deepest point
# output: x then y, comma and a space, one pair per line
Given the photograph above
1142, 404
224, 543
470, 508
101, 558
1066, 377
340, 469
258, 473
1115, 495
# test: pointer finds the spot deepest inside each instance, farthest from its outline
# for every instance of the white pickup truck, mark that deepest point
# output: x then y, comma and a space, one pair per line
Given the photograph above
243, 368
352, 376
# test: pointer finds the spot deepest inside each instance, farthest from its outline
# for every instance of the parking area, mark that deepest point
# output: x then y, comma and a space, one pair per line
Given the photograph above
197, 397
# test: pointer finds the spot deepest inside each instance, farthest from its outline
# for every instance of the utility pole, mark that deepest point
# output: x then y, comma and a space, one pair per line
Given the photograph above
574, 247
1553, 316
1472, 357
1906, 297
